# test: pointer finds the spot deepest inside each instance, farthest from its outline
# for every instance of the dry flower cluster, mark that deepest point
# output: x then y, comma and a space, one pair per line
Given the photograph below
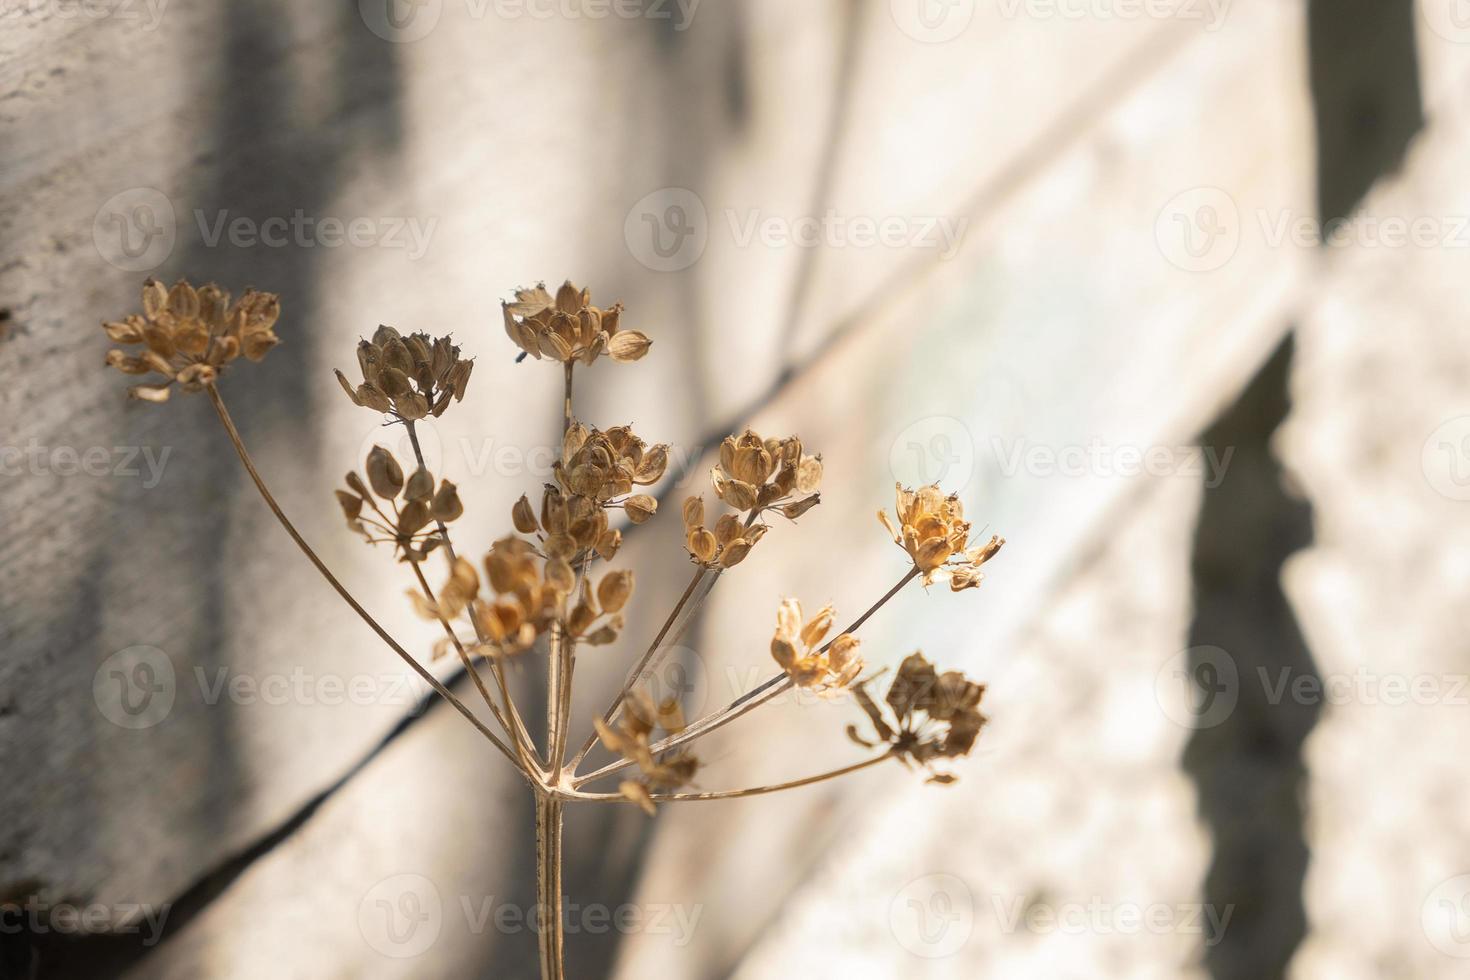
537, 591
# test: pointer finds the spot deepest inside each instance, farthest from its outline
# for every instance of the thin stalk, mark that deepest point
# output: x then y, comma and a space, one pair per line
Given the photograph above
519, 733
637, 670
733, 794
548, 884
347, 597
748, 701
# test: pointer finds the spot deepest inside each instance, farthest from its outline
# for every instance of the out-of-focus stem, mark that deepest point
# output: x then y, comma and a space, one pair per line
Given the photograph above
347, 597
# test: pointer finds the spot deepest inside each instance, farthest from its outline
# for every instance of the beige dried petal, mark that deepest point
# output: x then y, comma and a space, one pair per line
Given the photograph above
809, 474
816, 630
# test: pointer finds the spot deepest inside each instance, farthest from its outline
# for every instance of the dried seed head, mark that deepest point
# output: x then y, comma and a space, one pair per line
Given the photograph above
568, 327
795, 647
408, 377
190, 335
932, 528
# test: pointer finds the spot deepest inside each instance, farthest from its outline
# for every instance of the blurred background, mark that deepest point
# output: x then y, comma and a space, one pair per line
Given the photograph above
1171, 292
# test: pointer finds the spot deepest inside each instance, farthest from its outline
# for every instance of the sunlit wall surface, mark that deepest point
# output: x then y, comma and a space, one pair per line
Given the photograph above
1170, 292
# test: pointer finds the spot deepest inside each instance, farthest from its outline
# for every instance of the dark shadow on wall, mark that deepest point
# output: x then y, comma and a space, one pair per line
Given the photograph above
1246, 759
1249, 770
260, 156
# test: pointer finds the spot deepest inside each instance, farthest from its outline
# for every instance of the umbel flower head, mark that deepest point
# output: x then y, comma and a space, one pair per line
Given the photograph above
797, 647
568, 328
756, 474
930, 715
408, 377
598, 471
189, 335
415, 503
933, 530
631, 741
724, 547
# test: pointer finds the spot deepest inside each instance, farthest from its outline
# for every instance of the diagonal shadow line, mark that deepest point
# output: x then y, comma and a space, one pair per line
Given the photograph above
1066, 129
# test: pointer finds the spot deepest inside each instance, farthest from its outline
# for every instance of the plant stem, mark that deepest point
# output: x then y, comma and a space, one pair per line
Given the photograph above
519, 734
637, 670
748, 701
548, 884
428, 678
733, 794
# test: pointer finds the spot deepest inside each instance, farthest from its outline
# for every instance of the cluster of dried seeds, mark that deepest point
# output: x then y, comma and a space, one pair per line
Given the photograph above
798, 648
933, 530
189, 335
931, 715
756, 474
568, 328
417, 505
408, 377
631, 739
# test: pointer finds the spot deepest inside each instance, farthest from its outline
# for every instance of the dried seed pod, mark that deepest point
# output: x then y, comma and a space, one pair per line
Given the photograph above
384, 473
523, 517
614, 590
420, 485
446, 505
640, 508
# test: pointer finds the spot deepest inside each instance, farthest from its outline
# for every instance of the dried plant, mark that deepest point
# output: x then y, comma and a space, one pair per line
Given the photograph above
542, 595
